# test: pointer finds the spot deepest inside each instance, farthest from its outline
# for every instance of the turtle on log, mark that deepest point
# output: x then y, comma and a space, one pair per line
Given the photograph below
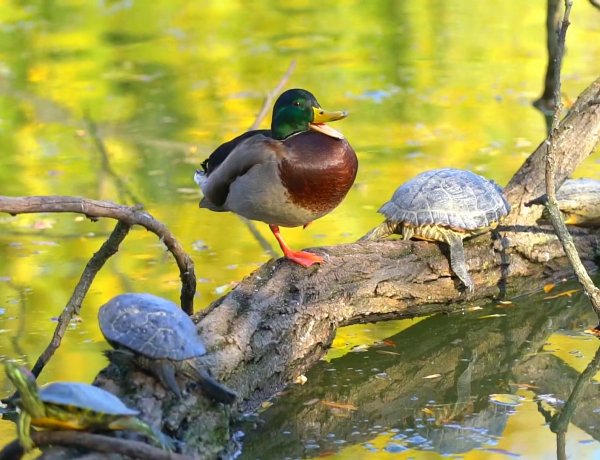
444, 205
160, 338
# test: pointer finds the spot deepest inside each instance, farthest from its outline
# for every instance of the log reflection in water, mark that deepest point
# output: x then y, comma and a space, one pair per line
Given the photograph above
385, 390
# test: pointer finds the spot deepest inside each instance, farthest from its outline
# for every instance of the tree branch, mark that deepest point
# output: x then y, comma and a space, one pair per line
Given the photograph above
577, 137
550, 171
95, 209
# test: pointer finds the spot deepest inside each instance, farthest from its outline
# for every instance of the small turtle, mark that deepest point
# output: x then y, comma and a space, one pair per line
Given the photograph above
161, 338
71, 406
579, 202
445, 205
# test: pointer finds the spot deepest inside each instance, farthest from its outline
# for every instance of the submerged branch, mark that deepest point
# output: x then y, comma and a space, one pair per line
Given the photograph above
93, 442
95, 209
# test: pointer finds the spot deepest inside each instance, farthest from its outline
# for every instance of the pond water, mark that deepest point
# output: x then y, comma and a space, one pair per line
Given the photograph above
427, 84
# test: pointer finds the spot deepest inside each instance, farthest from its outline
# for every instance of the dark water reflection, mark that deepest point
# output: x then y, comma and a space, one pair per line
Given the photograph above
448, 384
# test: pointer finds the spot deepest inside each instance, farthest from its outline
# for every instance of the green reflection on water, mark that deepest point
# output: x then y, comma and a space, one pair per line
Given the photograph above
428, 84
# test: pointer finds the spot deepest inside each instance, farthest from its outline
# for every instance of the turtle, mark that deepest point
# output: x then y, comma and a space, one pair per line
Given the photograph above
444, 205
161, 339
72, 406
579, 202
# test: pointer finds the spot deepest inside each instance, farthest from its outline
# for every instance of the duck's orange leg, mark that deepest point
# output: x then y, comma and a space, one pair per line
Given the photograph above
306, 259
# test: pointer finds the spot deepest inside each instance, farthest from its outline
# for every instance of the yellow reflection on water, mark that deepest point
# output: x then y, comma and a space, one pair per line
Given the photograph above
427, 84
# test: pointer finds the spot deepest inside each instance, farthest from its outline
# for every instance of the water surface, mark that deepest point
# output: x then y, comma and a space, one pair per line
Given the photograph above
428, 84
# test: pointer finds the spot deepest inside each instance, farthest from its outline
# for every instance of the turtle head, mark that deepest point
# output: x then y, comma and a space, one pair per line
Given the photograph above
27, 387
297, 110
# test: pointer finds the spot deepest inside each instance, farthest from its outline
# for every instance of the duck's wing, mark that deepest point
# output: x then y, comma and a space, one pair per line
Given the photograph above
223, 150
255, 151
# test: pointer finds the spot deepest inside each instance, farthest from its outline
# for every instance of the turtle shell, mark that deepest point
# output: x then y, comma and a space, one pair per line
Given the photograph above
453, 198
151, 326
85, 397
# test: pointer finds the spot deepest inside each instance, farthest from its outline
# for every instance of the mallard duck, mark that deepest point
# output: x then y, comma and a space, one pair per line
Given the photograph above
288, 176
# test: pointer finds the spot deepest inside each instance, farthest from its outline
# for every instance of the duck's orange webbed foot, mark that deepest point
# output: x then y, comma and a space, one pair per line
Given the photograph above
306, 259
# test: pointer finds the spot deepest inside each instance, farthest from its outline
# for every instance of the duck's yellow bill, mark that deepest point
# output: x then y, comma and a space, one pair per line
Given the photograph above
321, 117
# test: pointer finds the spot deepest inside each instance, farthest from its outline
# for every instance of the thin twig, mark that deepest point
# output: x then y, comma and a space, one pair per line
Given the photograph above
545, 103
73, 307
264, 111
270, 97
126, 214
95, 442
552, 205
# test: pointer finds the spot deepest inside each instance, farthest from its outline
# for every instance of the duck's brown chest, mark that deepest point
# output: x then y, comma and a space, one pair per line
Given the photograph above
318, 171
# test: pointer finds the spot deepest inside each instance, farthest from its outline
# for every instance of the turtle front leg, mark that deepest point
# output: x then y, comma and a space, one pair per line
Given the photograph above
24, 431
381, 231
165, 371
135, 424
457, 259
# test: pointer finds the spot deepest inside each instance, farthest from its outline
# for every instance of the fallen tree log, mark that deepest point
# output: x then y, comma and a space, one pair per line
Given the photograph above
282, 318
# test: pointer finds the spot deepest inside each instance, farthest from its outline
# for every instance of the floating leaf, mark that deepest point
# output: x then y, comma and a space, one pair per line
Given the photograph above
549, 399
386, 352
265, 405
199, 245
506, 399
432, 376
562, 294
505, 302
312, 402
301, 379
524, 386
548, 287
339, 405
359, 348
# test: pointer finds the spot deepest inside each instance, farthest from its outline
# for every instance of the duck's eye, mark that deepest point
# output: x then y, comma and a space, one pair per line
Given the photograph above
296, 103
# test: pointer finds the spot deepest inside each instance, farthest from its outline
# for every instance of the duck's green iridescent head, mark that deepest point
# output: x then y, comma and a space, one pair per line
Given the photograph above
297, 110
